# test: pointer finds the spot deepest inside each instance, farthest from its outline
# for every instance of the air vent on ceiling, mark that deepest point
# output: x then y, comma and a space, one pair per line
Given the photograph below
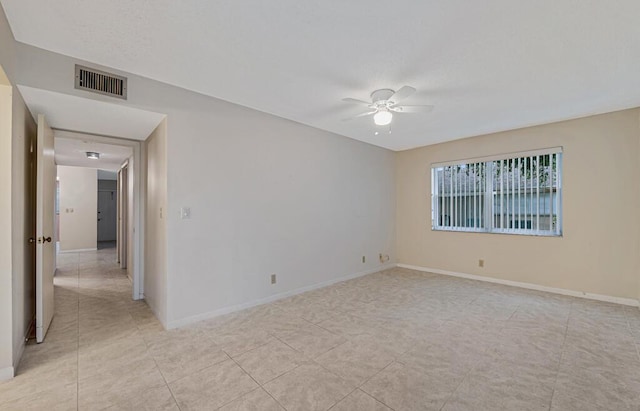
98, 81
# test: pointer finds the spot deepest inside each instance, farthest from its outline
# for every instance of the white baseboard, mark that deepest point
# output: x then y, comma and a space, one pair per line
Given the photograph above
6, 373
79, 250
580, 294
227, 310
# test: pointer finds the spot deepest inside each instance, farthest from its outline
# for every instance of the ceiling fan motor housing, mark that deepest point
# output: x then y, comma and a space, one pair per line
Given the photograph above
382, 95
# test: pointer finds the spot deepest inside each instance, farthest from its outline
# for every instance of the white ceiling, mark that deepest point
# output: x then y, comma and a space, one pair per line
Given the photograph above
486, 65
71, 150
69, 112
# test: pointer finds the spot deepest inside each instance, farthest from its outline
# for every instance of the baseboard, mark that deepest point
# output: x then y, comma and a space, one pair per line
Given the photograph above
580, 294
239, 307
79, 250
6, 373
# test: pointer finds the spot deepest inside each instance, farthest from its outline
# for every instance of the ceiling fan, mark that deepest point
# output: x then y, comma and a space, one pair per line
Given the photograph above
385, 102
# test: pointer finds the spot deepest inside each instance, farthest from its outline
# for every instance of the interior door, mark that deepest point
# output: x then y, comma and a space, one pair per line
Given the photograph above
45, 211
107, 208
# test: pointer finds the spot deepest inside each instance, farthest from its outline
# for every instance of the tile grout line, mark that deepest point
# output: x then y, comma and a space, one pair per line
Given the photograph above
348, 394
474, 366
633, 338
165, 380
328, 370
564, 342
156, 363
294, 368
373, 376
260, 386
78, 340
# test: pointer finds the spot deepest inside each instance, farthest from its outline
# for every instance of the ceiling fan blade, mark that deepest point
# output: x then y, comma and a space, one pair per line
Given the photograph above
401, 94
411, 109
368, 113
356, 101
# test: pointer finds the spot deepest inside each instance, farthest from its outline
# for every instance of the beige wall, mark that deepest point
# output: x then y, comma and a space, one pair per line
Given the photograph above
78, 192
23, 221
637, 186
155, 253
6, 318
598, 252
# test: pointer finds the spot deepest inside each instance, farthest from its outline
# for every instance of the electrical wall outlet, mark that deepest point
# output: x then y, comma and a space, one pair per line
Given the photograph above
481, 263
273, 278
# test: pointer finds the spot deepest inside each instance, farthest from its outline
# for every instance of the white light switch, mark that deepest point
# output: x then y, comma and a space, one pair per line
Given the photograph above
185, 213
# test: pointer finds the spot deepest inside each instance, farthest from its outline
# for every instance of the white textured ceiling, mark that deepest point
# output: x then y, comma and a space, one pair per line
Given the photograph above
486, 65
69, 112
71, 150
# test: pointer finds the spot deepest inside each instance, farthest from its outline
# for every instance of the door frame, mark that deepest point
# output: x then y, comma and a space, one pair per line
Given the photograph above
122, 218
139, 175
117, 200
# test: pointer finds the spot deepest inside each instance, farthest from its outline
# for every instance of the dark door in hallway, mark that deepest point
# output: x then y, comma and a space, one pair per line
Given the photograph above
107, 210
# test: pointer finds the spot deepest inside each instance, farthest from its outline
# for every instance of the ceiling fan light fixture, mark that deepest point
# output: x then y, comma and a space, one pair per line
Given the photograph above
93, 155
382, 117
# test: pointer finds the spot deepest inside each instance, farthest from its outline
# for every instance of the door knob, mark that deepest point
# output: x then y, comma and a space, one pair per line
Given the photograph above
32, 240
46, 239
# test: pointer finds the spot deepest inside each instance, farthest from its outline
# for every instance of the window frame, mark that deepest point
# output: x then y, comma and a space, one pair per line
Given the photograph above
487, 215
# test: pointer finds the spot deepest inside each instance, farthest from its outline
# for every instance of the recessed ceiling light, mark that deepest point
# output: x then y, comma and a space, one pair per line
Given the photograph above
93, 155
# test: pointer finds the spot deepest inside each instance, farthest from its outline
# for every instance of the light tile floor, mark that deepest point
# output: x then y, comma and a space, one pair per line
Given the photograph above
398, 339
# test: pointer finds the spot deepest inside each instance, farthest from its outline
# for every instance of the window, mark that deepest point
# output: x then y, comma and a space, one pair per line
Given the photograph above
515, 194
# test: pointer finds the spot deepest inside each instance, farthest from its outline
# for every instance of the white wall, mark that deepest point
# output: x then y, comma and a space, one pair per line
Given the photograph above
7, 48
267, 195
155, 252
78, 208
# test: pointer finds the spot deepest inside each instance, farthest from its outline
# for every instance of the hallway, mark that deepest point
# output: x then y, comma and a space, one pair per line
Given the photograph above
94, 347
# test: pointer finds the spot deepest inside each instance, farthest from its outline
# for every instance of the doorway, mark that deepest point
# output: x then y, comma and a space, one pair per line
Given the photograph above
115, 198
88, 122
107, 209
